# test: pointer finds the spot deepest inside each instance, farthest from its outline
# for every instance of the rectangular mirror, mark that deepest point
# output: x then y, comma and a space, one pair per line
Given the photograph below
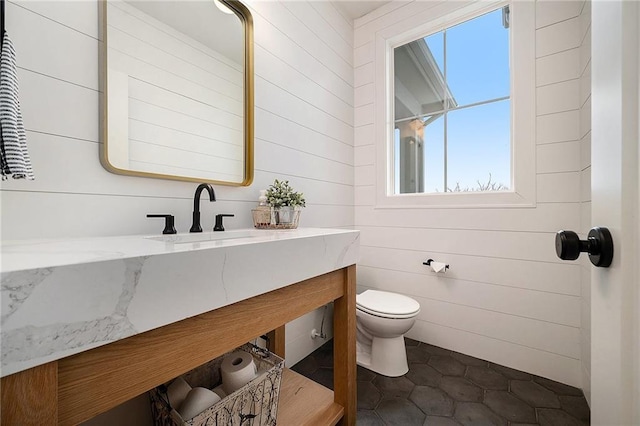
178, 90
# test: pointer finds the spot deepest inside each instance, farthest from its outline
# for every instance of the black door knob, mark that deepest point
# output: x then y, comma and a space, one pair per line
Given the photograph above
599, 245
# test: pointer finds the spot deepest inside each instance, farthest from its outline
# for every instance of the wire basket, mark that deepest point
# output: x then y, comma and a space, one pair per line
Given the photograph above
254, 404
276, 218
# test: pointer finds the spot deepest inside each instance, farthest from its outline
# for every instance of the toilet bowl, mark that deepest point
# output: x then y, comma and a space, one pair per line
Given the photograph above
382, 319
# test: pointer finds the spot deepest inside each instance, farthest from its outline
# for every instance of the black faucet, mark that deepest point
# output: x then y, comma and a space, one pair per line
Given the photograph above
195, 227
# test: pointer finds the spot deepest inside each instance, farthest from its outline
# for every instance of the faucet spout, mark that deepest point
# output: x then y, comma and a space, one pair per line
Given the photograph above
195, 226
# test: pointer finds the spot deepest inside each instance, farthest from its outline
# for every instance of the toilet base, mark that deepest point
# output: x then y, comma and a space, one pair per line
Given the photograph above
386, 356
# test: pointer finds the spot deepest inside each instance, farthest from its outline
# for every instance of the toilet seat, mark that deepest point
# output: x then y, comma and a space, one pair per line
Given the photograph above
387, 305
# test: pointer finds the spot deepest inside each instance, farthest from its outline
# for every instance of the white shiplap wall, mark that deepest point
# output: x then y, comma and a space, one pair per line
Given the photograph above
507, 298
303, 131
585, 191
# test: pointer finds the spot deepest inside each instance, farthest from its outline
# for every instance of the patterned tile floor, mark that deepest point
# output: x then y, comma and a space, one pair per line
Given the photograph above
445, 388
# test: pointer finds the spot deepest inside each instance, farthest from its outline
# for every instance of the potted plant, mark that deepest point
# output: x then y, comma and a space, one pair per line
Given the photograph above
285, 202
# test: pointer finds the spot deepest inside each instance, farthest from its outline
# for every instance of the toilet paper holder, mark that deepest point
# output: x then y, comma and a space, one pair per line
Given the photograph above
428, 263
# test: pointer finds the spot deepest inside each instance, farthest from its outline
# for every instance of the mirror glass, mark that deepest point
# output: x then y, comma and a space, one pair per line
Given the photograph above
179, 90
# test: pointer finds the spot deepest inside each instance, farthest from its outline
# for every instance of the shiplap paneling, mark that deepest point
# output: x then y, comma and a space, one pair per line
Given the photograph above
585, 185
558, 97
559, 187
585, 151
551, 12
585, 118
364, 195
174, 118
498, 351
558, 157
364, 135
365, 155
363, 54
304, 130
506, 297
557, 68
272, 38
301, 35
364, 74
585, 49
140, 91
79, 16
296, 163
560, 127
364, 175
45, 44
343, 26
300, 85
551, 307
585, 84
271, 97
135, 57
500, 244
547, 217
364, 95
364, 115
561, 278
558, 37
282, 131
309, 16
542, 335
85, 178
585, 19
58, 107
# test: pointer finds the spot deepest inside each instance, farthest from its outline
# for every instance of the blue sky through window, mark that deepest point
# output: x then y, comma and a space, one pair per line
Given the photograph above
478, 59
478, 137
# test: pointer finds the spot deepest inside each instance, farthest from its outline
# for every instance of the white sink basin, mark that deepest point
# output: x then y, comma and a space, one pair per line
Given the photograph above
204, 236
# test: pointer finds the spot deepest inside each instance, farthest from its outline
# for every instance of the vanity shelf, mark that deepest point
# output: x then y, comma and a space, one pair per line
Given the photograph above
76, 388
305, 402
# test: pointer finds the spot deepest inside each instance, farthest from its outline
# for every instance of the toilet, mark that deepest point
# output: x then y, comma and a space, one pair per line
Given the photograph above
382, 319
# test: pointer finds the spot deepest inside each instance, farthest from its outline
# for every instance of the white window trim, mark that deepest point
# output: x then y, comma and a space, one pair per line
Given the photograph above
523, 110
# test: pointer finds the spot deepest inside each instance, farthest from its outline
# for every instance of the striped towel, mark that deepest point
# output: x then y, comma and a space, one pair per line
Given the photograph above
15, 159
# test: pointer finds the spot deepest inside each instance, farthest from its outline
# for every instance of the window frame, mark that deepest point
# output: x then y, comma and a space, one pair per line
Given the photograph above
522, 192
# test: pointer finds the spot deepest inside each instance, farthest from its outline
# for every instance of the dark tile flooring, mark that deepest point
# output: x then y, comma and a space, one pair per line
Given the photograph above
445, 388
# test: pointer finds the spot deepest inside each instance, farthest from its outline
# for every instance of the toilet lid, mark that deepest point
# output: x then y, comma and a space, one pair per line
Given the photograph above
385, 304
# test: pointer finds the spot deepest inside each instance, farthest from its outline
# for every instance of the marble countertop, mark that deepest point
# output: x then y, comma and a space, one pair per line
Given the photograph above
31, 254
61, 297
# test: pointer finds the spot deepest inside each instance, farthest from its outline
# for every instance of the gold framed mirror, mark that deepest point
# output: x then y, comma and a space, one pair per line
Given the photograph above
177, 78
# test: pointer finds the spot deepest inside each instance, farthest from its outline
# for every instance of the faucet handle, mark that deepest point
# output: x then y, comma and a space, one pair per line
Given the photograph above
219, 218
169, 223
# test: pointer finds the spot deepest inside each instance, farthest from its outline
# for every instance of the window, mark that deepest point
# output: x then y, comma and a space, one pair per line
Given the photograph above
460, 103
452, 108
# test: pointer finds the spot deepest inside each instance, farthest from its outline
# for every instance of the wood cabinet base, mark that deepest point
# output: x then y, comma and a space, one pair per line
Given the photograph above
79, 387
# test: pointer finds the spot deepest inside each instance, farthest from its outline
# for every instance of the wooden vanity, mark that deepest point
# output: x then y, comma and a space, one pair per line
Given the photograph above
76, 388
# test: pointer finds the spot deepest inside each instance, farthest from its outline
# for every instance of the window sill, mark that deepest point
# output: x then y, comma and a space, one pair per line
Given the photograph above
467, 200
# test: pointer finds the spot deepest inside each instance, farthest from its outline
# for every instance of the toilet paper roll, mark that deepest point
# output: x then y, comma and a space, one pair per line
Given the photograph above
237, 370
198, 400
219, 391
438, 266
177, 391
